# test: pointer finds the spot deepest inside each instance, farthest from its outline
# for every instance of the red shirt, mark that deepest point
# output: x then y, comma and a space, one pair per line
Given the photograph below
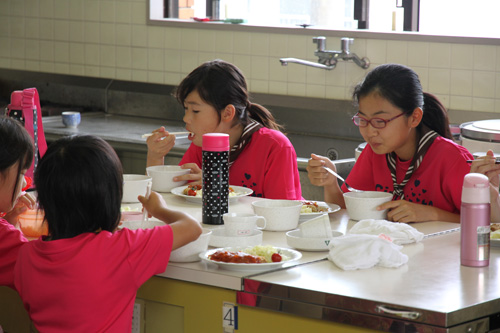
437, 182
267, 165
11, 240
88, 283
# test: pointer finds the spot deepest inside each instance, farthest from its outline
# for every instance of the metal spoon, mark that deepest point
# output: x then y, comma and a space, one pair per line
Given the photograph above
342, 179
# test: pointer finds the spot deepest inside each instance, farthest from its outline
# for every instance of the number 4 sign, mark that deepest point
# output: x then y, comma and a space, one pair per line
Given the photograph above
229, 316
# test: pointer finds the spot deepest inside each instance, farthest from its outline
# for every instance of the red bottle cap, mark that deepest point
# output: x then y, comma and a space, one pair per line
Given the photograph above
215, 142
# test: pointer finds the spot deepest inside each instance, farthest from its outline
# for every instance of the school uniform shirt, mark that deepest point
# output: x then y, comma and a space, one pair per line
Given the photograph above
11, 240
88, 283
267, 165
437, 182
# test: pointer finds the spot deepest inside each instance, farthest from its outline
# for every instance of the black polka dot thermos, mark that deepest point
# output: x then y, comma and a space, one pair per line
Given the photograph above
215, 177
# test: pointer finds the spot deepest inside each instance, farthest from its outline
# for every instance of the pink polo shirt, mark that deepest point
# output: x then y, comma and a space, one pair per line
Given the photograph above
11, 240
88, 283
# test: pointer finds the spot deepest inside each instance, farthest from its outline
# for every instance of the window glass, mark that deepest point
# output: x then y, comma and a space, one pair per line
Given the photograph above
437, 17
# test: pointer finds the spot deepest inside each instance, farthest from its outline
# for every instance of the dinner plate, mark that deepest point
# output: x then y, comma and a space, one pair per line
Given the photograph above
294, 256
331, 208
238, 190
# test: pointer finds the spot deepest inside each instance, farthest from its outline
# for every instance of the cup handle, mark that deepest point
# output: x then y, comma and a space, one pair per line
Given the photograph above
263, 219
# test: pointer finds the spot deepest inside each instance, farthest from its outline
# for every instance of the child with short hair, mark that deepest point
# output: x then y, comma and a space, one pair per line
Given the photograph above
84, 276
16, 156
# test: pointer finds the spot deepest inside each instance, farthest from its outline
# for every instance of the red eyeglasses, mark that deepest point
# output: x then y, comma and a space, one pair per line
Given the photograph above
375, 122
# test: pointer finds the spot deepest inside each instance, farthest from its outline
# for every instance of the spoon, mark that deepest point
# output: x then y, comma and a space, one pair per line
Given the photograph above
342, 179
147, 135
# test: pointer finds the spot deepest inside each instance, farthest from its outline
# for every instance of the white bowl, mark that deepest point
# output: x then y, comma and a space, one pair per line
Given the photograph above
191, 251
361, 205
294, 239
162, 177
133, 186
317, 227
281, 215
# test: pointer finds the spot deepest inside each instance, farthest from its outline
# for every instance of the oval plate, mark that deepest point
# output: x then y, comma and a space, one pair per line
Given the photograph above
240, 192
294, 256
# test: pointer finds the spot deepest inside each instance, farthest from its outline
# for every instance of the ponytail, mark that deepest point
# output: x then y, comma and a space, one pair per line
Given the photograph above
263, 116
436, 116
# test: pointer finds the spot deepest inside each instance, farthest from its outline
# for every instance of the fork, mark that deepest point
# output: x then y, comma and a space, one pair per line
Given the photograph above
342, 179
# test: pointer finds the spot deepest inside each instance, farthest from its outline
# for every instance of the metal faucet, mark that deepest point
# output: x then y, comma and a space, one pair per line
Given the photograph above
328, 59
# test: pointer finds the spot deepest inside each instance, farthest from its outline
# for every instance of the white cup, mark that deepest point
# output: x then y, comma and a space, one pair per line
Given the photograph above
242, 224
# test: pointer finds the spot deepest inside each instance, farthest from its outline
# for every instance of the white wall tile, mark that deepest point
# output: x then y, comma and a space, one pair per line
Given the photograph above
299, 47
107, 33
260, 68
439, 55
46, 51
278, 88
92, 57
484, 57
206, 41
189, 39
156, 37
17, 27
33, 53
461, 56
76, 9
316, 90
296, 89
460, 102
139, 36
244, 63
241, 42
259, 86
61, 52
397, 52
76, 53
46, 29
123, 34
90, 11
278, 45
418, 54
139, 58
484, 84
46, 8
123, 57
376, 51
123, 12
107, 11
259, 44
483, 104
108, 56
76, 33
61, 9
224, 42
439, 81
91, 32
461, 82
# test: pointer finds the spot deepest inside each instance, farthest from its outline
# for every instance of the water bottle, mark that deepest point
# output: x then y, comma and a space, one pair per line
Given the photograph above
215, 177
475, 221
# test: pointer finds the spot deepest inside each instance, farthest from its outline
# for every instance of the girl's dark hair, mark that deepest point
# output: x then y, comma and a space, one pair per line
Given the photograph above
401, 86
79, 182
219, 84
16, 147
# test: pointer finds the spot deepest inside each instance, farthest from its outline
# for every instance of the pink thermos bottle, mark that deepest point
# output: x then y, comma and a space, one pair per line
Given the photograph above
215, 177
475, 221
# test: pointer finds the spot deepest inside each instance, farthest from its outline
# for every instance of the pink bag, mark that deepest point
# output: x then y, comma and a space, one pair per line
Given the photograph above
25, 107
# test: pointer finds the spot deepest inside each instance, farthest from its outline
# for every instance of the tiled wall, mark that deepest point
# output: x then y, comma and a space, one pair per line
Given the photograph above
111, 39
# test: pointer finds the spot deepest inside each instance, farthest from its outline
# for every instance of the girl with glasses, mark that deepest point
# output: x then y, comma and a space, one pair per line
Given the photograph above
410, 151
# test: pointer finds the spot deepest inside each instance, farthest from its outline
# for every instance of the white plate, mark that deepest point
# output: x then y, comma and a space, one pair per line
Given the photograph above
294, 256
219, 239
332, 208
295, 240
240, 192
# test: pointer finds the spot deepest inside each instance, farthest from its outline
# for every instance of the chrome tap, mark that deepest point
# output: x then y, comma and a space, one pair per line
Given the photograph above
328, 59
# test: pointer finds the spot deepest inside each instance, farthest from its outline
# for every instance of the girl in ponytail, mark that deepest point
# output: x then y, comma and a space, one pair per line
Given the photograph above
216, 100
409, 153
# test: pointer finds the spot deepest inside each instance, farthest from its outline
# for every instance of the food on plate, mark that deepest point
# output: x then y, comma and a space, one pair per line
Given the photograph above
197, 191
236, 257
495, 231
252, 255
312, 207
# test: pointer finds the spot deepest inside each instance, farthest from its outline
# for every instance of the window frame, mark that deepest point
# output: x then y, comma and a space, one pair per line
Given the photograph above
154, 19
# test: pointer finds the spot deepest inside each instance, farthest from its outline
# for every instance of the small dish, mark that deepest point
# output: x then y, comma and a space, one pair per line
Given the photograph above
294, 256
238, 190
219, 239
331, 208
295, 240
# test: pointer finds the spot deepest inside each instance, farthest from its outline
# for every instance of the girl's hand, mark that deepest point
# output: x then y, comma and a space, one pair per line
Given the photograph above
194, 176
486, 166
406, 212
159, 144
318, 176
24, 202
154, 204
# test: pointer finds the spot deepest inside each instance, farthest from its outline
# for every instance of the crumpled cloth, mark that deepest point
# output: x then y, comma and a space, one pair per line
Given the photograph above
352, 252
400, 233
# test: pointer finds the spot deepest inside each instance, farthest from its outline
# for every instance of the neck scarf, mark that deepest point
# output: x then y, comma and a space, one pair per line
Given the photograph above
425, 141
252, 127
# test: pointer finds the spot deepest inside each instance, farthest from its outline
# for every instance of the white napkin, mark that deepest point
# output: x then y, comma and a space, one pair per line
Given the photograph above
400, 233
352, 252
